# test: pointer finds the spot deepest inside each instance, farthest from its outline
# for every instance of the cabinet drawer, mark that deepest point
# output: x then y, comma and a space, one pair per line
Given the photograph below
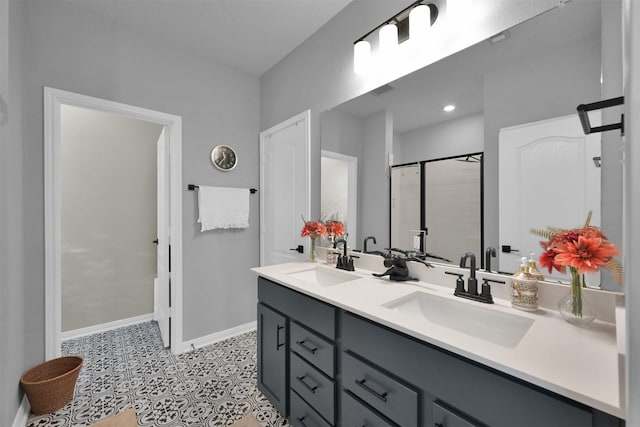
447, 417
313, 386
316, 350
317, 315
355, 413
303, 415
393, 399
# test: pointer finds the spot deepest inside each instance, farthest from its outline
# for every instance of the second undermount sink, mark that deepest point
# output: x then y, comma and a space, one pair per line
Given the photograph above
485, 323
323, 276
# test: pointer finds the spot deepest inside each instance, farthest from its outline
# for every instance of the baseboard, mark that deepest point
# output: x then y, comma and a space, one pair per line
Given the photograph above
96, 329
218, 336
22, 416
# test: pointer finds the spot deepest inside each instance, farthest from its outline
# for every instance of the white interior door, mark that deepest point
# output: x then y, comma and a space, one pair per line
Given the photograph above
284, 190
162, 308
547, 178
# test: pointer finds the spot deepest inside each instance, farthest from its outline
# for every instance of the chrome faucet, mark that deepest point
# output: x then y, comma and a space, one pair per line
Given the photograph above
366, 239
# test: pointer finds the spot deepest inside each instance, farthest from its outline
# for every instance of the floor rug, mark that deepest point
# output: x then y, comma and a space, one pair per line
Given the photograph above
248, 421
123, 419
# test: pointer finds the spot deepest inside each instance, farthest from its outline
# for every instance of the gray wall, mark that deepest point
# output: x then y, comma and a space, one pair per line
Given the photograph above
218, 105
375, 185
109, 203
14, 254
451, 138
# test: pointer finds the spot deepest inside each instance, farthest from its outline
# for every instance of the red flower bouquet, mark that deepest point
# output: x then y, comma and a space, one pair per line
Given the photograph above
313, 229
583, 250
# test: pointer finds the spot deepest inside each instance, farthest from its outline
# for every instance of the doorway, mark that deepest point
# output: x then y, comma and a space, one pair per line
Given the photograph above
56, 102
339, 190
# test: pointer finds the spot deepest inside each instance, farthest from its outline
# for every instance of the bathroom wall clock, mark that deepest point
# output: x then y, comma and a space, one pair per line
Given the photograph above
224, 158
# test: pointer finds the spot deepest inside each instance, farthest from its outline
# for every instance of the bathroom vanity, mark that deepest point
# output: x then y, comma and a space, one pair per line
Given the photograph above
342, 348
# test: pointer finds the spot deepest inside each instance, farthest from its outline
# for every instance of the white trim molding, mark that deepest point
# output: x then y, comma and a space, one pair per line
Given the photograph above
22, 416
103, 327
53, 101
219, 336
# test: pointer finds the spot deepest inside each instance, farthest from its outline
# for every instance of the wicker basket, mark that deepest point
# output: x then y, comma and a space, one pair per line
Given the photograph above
50, 385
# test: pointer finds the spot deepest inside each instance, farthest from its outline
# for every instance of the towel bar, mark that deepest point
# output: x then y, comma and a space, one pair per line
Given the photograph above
193, 187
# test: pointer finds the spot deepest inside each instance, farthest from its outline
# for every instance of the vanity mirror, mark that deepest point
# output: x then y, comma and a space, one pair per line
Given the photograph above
539, 70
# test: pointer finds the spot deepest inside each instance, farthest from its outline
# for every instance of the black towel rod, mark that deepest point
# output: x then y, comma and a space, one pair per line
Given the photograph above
583, 110
192, 187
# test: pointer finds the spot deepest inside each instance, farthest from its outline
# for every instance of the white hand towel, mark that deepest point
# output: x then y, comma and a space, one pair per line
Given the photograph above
223, 207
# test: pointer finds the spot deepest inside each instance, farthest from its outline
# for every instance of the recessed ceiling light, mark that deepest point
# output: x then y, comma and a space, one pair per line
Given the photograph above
449, 108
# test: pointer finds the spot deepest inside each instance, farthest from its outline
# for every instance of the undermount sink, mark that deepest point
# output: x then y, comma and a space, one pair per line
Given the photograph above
468, 318
323, 276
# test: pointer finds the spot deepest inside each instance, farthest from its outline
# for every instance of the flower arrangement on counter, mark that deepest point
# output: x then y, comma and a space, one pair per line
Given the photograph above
314, 229
582, 250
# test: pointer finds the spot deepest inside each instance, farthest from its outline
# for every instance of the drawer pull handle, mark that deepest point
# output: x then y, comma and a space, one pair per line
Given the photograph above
438, 425
306, 347
278, 344
311, 389
364, 386
301, 420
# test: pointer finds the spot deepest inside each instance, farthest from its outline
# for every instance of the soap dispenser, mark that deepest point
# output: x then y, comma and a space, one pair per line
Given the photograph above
524, 288
533, 268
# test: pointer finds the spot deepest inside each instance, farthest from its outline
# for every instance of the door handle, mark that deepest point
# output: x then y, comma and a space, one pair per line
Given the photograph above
312, 389
278, 343
507, 249
299, 249
381, 396
155, 241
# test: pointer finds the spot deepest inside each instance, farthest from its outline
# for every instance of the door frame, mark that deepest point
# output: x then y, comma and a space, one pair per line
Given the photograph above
305, 119
53, 101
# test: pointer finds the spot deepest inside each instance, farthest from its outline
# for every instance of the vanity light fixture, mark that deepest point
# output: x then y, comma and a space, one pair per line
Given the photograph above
449, 108
412, 22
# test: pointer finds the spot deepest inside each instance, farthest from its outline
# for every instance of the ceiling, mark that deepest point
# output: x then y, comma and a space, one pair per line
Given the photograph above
251, 35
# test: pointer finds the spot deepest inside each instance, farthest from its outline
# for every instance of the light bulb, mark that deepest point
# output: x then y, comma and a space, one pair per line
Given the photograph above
388, 39
419, 22
361, 57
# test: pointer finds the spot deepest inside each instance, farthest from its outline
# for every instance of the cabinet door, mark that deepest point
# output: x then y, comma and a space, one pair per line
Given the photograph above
273, 357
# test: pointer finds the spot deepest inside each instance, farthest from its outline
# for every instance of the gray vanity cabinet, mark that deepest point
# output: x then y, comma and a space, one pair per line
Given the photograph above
337, 368
455, 391
307, 360
273, 356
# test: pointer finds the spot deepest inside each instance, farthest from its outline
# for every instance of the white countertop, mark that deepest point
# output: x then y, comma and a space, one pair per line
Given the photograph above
582, 364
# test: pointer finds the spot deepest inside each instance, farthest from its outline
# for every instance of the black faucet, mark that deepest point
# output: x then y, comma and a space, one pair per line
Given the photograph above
472, 283
488, 254
366, 239
345, 262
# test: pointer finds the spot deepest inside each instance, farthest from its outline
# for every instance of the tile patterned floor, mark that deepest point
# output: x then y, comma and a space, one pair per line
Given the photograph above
210, 386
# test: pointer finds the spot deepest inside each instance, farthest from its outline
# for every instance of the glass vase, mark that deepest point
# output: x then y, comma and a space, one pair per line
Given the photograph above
575, 308
312, 253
